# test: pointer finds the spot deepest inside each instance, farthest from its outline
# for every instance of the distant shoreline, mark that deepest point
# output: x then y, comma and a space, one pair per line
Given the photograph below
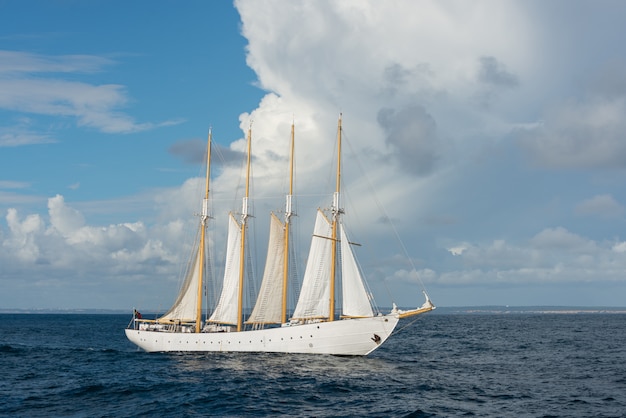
500, 310
446, 310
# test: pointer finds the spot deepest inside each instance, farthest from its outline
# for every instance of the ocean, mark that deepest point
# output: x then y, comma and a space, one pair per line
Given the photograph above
442, 365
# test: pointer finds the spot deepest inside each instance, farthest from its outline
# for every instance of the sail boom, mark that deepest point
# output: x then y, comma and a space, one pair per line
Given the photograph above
309, 318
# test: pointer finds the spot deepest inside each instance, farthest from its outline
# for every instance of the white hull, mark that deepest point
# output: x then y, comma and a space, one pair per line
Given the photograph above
355, 337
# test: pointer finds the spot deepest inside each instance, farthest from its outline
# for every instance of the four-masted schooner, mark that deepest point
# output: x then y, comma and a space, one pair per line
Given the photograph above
312, 328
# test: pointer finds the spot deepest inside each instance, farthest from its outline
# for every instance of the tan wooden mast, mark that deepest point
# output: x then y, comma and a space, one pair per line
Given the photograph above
288, 214
203, 221
244, 218
336, 211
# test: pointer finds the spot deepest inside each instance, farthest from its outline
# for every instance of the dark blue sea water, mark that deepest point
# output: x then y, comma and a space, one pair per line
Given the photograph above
516, 365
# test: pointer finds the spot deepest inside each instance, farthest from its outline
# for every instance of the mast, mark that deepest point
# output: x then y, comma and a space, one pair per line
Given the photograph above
335, 212
244, 218
203, 221
288, 214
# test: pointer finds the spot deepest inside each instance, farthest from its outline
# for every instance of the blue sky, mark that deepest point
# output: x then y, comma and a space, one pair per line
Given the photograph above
493, 132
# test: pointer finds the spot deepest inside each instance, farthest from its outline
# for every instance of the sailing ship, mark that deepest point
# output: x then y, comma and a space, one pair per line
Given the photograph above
313, 327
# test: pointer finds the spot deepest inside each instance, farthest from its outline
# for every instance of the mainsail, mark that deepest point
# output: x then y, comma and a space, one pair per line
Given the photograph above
185, 306
268, 308
226, 311
315, 292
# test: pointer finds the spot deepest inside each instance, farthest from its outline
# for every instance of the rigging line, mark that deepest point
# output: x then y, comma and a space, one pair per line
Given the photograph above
295, 263
407, 325
252, 262
250, 284
373, 194
212, 274
386, 216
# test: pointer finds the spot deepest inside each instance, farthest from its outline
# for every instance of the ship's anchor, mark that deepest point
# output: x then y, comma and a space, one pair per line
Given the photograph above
376, 339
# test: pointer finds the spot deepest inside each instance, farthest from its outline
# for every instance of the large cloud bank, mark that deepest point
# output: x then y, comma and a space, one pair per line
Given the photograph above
471, 119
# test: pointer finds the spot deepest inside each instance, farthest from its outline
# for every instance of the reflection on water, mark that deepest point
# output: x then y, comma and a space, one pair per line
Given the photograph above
275, 365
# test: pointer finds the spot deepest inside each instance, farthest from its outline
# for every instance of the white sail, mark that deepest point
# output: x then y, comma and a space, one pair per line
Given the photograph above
356, 303
315, 293
268, 307
184, 309
227, 307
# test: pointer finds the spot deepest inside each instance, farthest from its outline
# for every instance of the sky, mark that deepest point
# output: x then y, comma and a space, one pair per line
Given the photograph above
484, 144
